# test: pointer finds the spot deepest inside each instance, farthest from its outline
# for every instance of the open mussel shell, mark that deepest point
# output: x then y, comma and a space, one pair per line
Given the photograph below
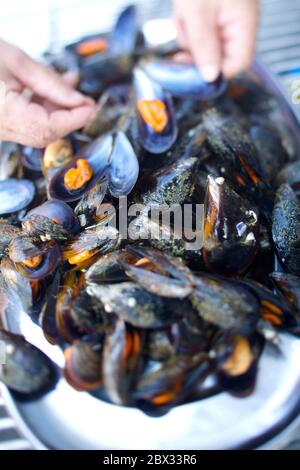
183, 80
57, 211
123, 170
124, 34
56, 155
15, 195
26, 370
87, 169
122, 38
31, 158
34, 260
155, 113
10, 159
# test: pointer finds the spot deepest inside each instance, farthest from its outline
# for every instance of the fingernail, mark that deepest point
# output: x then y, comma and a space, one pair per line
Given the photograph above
89, 101
210, 73
77, 96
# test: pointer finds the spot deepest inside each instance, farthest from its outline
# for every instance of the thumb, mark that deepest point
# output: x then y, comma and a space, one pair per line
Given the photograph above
204, 43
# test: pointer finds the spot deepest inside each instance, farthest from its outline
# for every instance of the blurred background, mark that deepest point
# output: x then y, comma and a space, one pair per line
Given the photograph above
36, 26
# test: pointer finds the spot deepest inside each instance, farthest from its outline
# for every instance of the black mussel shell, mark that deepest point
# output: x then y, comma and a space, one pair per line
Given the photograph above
285, 228
83, 369
157, 272
43, 257
122, 362
159, 135
26, 369
231, 229
137, 306
183, 80
31, 158
98, 155
123, 170
237, 360
59, 212
124, 35
15, 195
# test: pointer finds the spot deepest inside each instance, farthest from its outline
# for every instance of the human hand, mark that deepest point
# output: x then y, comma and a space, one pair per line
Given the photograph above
55, 110
219, 35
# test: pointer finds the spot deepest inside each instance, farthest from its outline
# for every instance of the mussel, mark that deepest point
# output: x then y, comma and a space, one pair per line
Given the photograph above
26, 369
123, 168
231, 229
34, 260
236, 159
90, 208
83, 369
157, 272
155, 113
18, 287
122, 362
31, 158
290, 175
225, 304
183, 80
237, 360
7, 233
288, 285
107, 59
10, 159
15, 195
84, 248
83, 172
107, 269
172, 381
53, 220
111, 106
285, 228
135, 305
76, 312
56, 155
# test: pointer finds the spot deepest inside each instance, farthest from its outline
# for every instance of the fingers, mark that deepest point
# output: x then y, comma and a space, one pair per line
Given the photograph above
196, 25
44, 81
204, 44
181, 33
219, 34
71, 78
239, 38
30, 123
237, 58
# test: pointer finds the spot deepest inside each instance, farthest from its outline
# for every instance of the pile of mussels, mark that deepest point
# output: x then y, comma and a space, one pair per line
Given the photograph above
146, 322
